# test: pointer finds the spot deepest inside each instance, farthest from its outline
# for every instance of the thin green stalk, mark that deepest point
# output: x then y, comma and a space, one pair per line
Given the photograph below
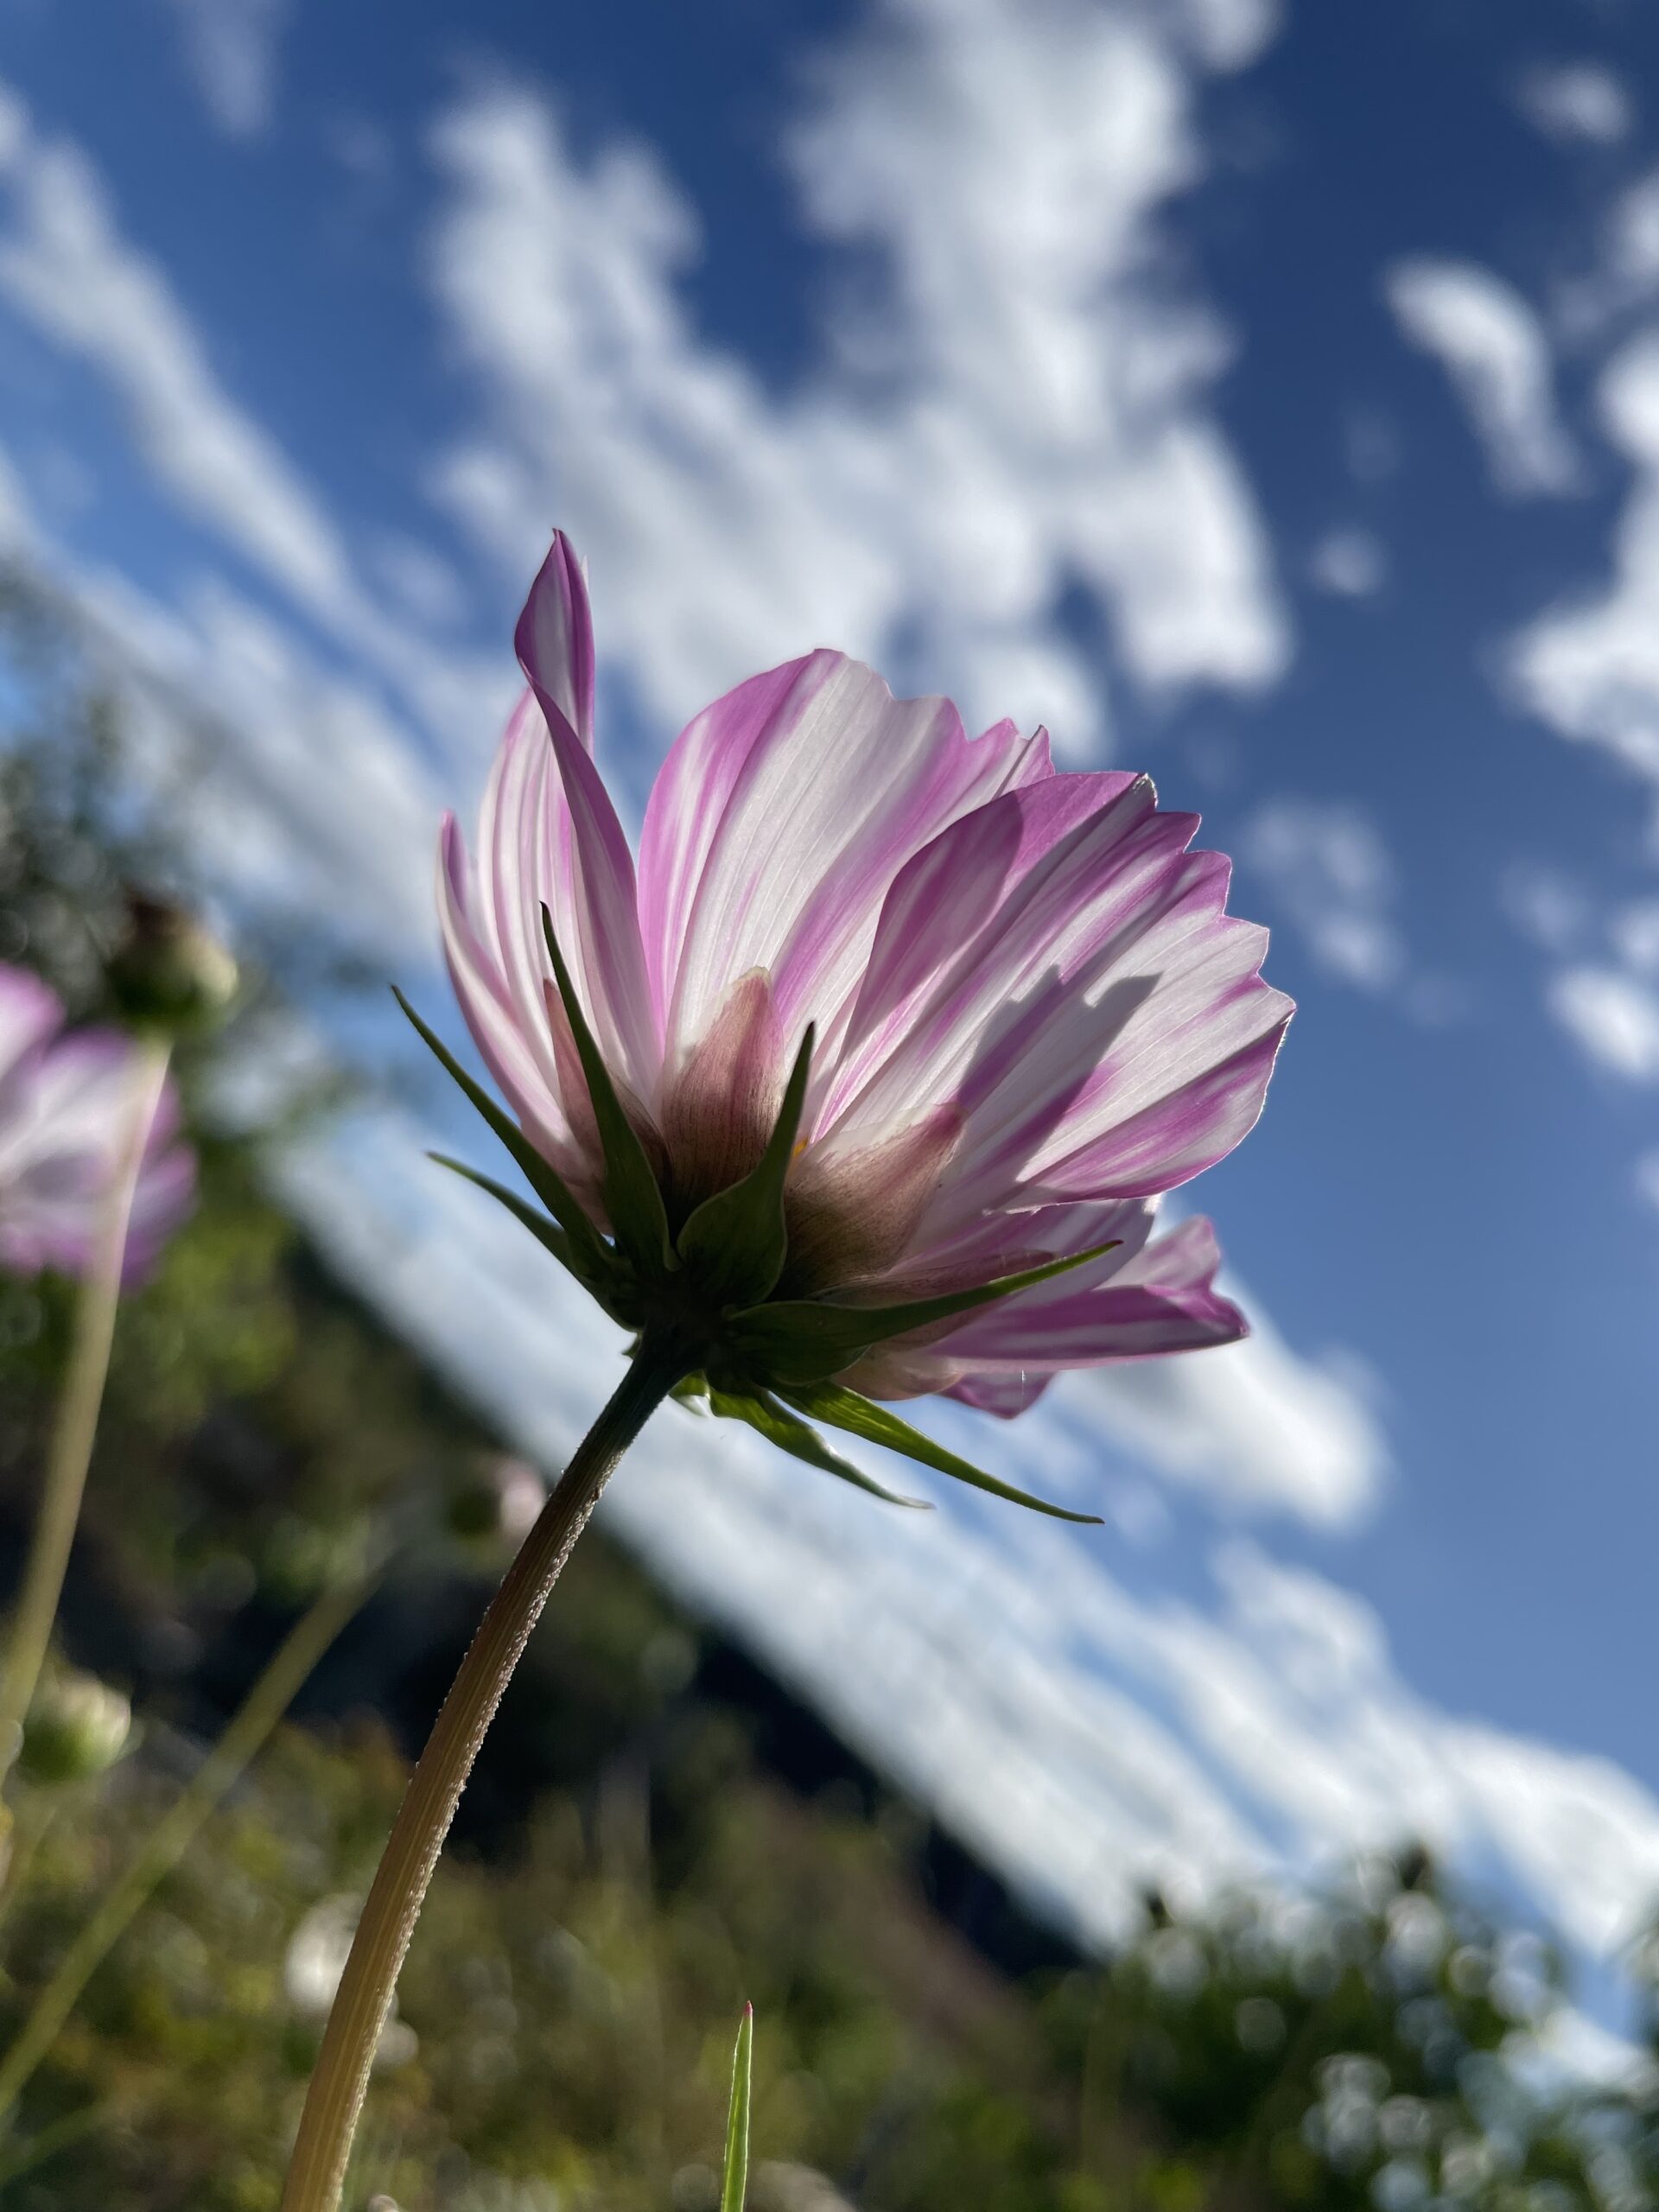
249, 1726
77, 1423
73, 2127
322, 2148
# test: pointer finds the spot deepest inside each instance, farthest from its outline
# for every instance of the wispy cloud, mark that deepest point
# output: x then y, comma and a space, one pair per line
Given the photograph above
69, 268
1349, 562
1256, 1427
1589, 666
1492, 346
1020, 407
1612, 1016
66, 266
1134, 1733
1332, 872
231, 50
1582, 102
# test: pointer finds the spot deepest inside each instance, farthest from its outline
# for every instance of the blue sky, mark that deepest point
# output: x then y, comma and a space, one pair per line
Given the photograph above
1268, 396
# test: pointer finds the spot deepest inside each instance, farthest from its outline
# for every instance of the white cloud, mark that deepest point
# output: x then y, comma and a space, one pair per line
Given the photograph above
231, 50
1545, 906
1333, 874
1134, 1733
1492, 346
1613, 1017
1017, 406
1349, 562
64, 265
68, 267
1255, 1425
1634, 930
1584, 101
1590, 666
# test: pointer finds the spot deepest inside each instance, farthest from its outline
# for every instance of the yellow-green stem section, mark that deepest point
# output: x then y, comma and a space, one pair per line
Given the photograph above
316, 2174
78, 1408
256, 1716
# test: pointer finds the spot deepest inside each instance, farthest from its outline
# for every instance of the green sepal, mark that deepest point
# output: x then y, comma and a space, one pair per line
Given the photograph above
692, 1390
780, 1426
601, 1284
845, 1409
807, 1340
735, 1244
548, 1185
735, 2179
632, 1198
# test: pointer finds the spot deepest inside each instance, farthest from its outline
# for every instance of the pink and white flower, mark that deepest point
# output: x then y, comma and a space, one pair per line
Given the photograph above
1032, 1012
67, 1100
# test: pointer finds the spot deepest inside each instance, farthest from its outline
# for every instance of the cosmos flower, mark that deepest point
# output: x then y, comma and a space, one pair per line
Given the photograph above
864, 1081
67, 1098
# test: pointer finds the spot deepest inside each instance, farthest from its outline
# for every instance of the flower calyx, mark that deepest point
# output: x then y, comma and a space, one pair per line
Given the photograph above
706, 1288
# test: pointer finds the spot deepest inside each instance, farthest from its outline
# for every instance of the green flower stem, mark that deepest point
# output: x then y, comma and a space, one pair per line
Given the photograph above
77, 1423
255, 1718
316, 2174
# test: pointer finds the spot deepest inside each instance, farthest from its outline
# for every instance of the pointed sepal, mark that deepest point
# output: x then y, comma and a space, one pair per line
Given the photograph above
548, 1185
734, 2176
734, 1245
603, 1282
638, 1219
808, 1340
859, 1416
778, 1426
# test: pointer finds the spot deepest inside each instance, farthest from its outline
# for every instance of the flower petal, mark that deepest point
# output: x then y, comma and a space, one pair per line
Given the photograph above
518, 1049
584, 873
1105, 1029
717, 1112
68, 1137
555, 638
30, 1011
778, 822
1159, 1299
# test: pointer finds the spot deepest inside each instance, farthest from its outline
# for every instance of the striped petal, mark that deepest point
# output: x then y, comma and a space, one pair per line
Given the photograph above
778, 825
1149, 1298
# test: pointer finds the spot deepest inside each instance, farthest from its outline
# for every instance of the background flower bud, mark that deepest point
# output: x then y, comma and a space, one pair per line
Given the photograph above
169, 972
77, 1727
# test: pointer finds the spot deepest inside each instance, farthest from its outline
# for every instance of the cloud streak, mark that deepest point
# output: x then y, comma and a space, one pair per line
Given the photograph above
1492, 346
1017, 406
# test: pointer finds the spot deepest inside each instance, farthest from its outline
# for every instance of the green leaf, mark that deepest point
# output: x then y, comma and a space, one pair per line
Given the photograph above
545, 1232
779, 1426
859, 1416
548, 1185
735, 1242
735, 2183
631, 1193
807, 1340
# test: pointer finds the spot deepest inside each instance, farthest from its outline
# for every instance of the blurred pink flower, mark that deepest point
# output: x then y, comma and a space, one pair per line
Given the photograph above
67, 1103
1032, 1011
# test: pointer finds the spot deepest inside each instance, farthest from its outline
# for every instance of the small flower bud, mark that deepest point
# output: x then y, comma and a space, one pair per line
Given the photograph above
169, 972
496, 1504
77, 1727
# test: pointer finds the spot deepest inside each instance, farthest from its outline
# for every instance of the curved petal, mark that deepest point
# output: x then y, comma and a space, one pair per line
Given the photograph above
1161, 1299
30, 1011
583, 854
777, 824
71, 1135
1105, 1030
555, 640
514, 1037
